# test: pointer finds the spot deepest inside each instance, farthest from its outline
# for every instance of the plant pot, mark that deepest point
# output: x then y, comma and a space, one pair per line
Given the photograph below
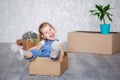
105, 28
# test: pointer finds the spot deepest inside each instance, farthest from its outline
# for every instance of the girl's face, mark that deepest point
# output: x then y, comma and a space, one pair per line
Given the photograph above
48, 33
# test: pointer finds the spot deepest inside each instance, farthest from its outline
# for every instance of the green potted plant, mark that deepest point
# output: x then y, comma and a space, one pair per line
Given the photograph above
102, 13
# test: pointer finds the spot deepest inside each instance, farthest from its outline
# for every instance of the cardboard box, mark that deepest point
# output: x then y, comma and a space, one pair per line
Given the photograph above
25, 44
93, 42
43, 65
46, 66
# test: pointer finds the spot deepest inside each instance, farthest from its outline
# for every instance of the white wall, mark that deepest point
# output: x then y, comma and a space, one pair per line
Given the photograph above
20, 16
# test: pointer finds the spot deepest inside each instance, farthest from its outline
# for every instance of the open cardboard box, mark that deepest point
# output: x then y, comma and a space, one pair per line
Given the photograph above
46, 66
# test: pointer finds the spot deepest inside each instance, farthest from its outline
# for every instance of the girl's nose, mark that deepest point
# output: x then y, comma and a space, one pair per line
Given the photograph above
50, 32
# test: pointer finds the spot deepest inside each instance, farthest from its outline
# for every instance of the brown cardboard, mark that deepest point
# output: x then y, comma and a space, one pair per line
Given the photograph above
25, 44
46, 66
43, 65
93, 42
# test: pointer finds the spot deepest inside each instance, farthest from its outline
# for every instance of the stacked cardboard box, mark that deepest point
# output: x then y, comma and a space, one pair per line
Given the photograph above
93, 42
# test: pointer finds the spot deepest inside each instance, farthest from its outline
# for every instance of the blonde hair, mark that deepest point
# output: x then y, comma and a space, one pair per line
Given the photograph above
42, 26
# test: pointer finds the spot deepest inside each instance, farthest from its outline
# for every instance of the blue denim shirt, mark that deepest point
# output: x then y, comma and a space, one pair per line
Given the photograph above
44, 51
46, 48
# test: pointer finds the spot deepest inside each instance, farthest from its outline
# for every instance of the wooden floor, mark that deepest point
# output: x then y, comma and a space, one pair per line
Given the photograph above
81, 67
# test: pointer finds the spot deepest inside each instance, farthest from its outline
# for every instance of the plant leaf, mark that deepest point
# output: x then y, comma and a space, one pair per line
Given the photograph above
106, 8
92, 10
97, 13
100, 8
108, 15
101, 17
101, 12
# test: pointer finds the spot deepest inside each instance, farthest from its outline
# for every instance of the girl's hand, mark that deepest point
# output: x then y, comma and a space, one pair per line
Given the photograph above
62, 52
61, 57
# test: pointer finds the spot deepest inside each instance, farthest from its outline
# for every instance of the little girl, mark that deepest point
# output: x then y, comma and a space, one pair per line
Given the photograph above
48, 45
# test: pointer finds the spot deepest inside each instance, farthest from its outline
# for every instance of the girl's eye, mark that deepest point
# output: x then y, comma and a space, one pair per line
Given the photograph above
46, 32
50, 29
